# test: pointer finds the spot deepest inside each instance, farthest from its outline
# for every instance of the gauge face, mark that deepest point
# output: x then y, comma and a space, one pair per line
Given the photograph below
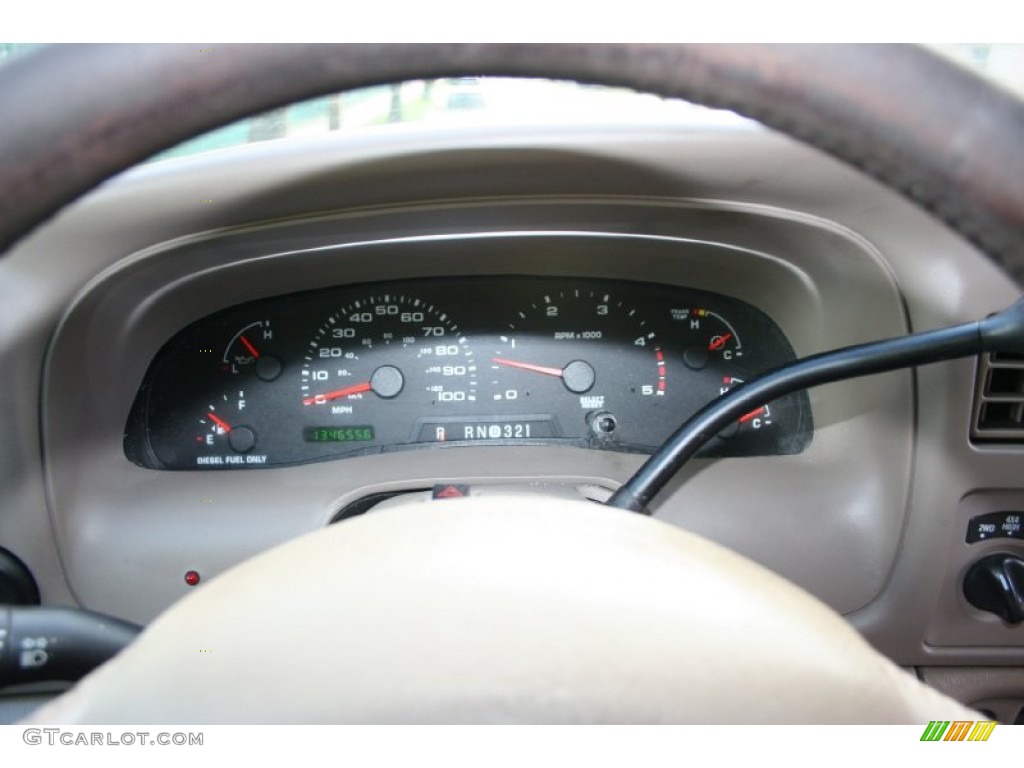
708, 338
584, 360
210, 395
383, 352
759, 418
242, 353
472, 361
380, 368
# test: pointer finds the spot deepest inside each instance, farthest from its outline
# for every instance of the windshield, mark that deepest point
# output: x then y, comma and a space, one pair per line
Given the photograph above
461, 101
506, 101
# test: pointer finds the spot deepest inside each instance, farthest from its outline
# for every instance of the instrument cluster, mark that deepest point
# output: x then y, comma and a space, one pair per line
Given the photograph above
431, 363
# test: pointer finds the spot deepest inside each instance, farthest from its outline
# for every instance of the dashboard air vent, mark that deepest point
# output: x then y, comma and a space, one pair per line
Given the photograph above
999, 398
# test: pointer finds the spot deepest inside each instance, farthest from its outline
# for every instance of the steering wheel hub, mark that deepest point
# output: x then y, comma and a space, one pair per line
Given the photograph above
496, 610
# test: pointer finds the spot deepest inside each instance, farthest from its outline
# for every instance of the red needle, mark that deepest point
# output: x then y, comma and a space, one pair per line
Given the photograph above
718, 343
250, 347
355, 389
751, 415
528, 366
220, 422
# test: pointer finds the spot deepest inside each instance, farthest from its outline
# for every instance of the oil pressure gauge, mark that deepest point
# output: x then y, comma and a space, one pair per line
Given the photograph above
246, 352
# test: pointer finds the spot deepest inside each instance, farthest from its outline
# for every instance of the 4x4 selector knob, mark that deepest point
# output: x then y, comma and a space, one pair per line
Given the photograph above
996, 583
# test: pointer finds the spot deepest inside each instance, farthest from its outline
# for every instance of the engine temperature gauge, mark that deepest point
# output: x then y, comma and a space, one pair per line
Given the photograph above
757, 419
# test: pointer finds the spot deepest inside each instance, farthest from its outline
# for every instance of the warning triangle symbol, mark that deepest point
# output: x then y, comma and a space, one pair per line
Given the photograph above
449, 492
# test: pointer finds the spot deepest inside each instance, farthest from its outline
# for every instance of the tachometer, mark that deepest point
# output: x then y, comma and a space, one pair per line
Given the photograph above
587, 360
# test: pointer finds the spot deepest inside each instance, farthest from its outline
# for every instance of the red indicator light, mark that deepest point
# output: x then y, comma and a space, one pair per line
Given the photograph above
192, 578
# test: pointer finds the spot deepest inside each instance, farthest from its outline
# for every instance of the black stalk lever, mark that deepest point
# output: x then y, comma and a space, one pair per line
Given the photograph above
41, 644
1003, 331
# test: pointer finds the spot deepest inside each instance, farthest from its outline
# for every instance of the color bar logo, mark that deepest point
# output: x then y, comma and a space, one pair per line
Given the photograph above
958, 730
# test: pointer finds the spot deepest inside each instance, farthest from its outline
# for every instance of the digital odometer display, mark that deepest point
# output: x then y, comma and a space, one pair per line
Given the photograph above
362, 434
425, 364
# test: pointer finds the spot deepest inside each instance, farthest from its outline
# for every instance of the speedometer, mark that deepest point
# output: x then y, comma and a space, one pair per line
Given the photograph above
388, 347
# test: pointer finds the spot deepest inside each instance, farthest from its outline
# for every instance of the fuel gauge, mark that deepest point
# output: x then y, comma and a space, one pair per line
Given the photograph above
222, 427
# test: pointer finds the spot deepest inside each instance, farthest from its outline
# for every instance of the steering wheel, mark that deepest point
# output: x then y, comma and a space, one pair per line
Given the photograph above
484, 610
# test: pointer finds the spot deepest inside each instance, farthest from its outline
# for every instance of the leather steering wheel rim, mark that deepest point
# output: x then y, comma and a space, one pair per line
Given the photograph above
942, 136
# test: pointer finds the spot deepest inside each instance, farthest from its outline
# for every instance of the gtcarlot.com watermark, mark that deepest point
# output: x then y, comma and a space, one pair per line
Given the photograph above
69, 738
